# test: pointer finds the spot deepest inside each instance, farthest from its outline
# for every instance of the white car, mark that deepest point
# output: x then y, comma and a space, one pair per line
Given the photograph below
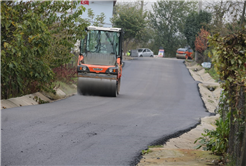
145, 52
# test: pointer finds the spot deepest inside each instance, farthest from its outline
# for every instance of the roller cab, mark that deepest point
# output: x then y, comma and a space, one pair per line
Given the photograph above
99, 66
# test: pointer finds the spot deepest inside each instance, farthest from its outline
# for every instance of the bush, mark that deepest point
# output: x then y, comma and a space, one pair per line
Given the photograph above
216, 140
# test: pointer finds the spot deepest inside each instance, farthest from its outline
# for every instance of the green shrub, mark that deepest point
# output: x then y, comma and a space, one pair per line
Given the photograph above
212, 72
216, 140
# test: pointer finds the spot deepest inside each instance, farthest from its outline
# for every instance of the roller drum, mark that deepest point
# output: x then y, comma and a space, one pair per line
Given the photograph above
97, 86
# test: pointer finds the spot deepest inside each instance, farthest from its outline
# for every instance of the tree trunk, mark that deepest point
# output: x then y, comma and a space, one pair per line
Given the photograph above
196, 56
126, 46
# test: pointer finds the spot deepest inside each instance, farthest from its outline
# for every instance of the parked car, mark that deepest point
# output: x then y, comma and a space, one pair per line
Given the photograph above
145, 52
184, 53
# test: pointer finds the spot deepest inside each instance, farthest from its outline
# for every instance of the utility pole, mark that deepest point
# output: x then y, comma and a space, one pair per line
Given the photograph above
199, 9
199, 6
142, 3
242, 18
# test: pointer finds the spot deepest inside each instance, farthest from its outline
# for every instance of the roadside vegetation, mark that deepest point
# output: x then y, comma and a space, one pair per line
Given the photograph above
133, 19
225, 46
213, 73
36, 39
38, 44
148, 150
228, 55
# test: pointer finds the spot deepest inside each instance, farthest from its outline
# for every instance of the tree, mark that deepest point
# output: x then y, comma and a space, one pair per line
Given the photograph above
229, 58
133, 20
201, 45
224, 13
96, 21
61, 21
168, 19
36, 37
194, 22
201, 41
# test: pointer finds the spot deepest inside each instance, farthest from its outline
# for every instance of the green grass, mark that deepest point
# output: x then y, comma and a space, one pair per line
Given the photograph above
212, 73
148, 150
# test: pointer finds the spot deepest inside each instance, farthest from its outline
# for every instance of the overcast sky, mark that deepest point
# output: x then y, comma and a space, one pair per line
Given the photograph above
147, 3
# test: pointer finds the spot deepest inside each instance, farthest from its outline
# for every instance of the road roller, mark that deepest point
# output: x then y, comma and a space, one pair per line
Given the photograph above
99, 66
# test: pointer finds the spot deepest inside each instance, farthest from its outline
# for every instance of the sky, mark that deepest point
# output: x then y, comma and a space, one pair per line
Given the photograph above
147, 3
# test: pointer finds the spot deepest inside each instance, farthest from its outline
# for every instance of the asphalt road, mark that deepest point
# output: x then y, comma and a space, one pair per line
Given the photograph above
158, 98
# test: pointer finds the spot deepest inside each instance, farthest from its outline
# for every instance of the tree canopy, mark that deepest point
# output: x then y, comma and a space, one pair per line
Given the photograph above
36, 37
97, 20
194, 22
133, 20
201, 41
168, 19
224, 13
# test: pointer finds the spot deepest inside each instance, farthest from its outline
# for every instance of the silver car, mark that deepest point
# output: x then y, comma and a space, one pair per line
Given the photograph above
145, 52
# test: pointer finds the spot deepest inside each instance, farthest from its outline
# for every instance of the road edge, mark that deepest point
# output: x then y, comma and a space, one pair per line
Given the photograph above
172, 143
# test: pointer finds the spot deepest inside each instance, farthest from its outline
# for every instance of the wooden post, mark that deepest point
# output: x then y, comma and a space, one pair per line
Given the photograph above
243, 150
243, 155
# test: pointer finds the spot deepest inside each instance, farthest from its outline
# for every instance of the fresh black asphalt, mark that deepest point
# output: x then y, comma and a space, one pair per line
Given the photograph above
158, 98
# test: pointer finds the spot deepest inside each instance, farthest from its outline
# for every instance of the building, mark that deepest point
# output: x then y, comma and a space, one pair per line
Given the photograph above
99, 6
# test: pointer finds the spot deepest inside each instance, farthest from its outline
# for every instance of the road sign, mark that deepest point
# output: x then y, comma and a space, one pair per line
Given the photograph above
161, 53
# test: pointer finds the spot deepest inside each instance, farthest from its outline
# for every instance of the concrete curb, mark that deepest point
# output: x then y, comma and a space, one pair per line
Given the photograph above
41, 97
34, 99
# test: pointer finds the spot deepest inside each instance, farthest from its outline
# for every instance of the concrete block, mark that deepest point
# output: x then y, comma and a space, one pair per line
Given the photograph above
41, 96
60, 93
19, 101
7, 104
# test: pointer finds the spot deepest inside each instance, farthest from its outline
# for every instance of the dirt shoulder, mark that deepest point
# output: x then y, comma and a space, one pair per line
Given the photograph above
181, 150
